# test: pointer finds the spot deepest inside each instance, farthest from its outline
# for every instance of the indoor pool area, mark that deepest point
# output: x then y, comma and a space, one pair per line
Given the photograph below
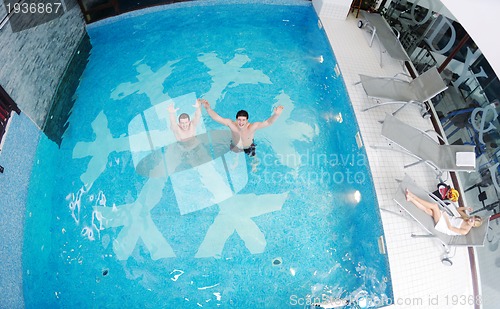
120, 212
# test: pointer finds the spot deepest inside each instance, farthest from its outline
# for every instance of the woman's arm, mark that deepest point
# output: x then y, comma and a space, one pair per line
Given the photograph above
461, 230
463, 212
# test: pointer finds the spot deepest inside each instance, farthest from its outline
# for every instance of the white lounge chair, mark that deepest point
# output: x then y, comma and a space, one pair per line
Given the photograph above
412, 141
476, 236
399, 91
388, 40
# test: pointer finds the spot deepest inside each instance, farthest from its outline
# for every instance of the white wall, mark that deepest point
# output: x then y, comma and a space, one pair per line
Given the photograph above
479, 19
34, 59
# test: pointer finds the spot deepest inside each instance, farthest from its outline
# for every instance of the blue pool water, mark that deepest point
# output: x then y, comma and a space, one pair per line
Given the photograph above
109, 225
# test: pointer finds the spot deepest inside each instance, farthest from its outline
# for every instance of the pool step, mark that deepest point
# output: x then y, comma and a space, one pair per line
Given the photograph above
359, 141
381, 245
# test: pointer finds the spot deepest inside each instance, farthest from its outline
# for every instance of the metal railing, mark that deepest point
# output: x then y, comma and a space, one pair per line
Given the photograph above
7, 105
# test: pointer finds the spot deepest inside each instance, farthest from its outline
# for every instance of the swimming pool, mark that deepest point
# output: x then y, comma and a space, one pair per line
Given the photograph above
298, 222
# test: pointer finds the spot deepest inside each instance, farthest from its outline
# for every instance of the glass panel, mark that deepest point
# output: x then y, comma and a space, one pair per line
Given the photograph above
468, 110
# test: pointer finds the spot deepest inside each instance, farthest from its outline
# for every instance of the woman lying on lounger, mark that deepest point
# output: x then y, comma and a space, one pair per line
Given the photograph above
445, 223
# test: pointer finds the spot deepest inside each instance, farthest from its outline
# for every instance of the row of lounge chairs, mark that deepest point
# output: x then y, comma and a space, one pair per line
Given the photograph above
419, 144
403, 137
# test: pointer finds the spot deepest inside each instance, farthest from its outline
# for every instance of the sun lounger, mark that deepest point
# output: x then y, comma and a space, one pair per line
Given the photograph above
412, 141
381, 30
476, 236
399, 91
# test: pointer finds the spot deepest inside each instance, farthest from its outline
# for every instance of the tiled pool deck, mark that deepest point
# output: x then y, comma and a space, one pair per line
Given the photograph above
419, 279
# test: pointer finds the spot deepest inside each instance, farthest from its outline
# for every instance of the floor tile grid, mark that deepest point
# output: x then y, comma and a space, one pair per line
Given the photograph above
417, 273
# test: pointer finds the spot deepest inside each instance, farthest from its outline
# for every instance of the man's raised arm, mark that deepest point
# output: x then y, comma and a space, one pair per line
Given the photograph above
270, 120
215, 116
197, 113
172, 115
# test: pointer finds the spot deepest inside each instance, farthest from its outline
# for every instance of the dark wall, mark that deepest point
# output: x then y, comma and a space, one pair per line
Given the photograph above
35, 52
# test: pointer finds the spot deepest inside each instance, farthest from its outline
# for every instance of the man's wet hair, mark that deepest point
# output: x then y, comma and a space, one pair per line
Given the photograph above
183, 116
242, 113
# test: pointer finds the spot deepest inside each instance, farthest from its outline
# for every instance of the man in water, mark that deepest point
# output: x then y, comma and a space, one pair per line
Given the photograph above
188, 148
242, 131
185, 130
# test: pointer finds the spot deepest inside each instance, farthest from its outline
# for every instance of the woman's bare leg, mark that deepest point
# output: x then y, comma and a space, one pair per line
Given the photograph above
432, 209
